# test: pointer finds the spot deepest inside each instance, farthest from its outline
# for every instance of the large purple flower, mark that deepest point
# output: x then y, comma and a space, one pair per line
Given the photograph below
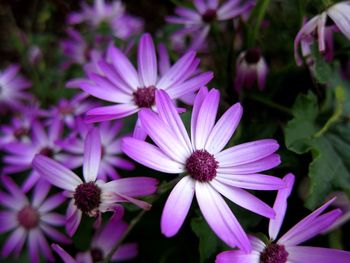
102, 243
110, 147
92, 197
30, 221
338, 13
287, 249
210, 170
12, 86
120, 83
206, 11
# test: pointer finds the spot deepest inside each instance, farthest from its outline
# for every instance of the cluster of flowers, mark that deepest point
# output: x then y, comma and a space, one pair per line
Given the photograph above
33, 143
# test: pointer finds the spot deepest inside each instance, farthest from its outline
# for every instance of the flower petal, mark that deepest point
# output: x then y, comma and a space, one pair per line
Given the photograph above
223, 129
107, 113
63, 254
238, 256
55, 173
132, 186
220, 218
201, 95
92, 155
243, 199
280, 206
177, 206
147, 60
150, 156
301, 254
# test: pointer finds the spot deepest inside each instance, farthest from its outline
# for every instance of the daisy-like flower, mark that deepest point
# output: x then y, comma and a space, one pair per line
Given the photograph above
316, 27
110, 147
30, 221
19, 155
206, 12
92, 197
12, 86
102, 243
210, 170
251, 67
120, 83
287, 249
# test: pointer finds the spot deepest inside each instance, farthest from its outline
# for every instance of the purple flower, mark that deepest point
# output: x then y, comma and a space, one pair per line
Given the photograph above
126, 26
12, 86
110, 147
120, 83
30, 221
92, 197
210, 170
339, 14
206, 12
102, 243
19, 155
251, 67
287, 249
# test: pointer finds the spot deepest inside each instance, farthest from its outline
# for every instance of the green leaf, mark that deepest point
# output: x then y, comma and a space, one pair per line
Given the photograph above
299, 130
322, 70
208, 242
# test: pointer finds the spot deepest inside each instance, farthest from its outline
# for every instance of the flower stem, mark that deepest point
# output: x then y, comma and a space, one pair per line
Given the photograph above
260, 14
163, 188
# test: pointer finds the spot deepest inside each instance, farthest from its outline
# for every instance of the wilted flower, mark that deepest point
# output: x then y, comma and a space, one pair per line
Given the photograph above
210, 170
110, 147
102, 243
206, 11
251, 67
92, 197
316, 27
31, 221
120, 83
287, 249
12, 86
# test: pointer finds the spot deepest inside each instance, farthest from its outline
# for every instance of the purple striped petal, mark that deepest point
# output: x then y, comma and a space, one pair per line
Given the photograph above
340, 15
252, 181
107, 113
168, 114
238, 256
147, 61
177, 206
125, 252
133, 186
33, 246
206, 119
246, 152
15, 238
51, 203
44, 247
163, 59
56, 173
254, 167
296, 232
280, 206
300, 254
41, 190
73, 219
220, 218
63, 254
92, 155
202, 94
163, 135
150, 156
55, 234
244, 199
8, 220
200, 5
223, 129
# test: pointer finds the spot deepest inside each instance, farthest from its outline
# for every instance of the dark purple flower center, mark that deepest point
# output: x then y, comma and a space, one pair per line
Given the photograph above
28, 217
274, 253
46, 151
202, 166
145, 97
209, 16
253, 55
96, 254
20, 132
87, 197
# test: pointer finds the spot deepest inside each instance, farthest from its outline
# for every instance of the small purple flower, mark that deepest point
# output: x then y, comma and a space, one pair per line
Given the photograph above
210, 170
110, 147
12, 86
30, 221
339, 14
102, 243
19, 155
251, 67
206, 12
120, 83
287, 249
92, 197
